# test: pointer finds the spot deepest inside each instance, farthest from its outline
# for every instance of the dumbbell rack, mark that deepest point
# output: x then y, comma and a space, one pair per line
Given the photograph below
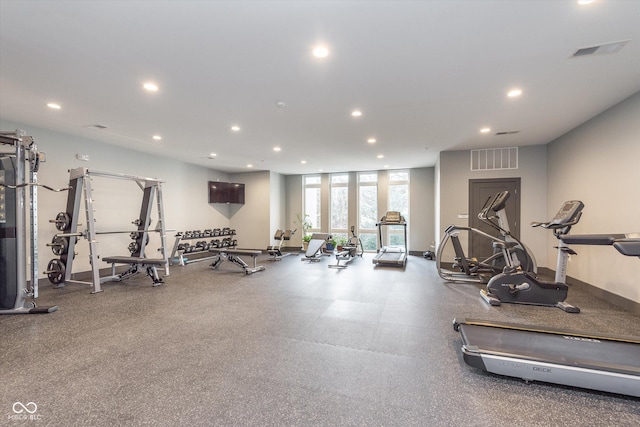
202, 246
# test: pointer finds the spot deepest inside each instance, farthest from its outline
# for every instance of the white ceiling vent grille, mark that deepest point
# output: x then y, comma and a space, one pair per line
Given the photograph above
95, 126
601, 49
494, 159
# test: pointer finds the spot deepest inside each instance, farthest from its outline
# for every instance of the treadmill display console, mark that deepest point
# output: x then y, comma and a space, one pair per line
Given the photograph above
393, 216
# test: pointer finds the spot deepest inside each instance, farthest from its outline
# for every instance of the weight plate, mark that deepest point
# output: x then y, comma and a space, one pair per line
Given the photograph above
63, 221
59, 245
55, 271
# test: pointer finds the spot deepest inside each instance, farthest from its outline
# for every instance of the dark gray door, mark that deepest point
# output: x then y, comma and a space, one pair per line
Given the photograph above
479, 191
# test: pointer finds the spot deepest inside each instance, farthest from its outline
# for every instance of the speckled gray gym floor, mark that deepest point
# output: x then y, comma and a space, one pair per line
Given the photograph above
298, 344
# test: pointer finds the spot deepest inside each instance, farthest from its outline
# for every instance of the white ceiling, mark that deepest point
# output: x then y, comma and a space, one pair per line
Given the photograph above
427, 76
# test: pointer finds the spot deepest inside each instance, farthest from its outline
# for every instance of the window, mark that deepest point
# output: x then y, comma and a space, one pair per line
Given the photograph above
339, 203
368, 209
398, 201
312, 201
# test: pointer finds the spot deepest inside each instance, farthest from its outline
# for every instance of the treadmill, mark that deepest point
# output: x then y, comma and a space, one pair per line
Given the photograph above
603, 362
395, 256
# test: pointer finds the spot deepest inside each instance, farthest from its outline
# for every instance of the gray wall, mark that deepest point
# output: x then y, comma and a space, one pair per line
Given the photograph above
293, 197
455, 173
253, 219
277, 203
599, 163
422, 208
117, 202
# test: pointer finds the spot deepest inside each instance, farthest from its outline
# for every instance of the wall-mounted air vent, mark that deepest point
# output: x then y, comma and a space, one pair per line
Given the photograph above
494, 159
600, 49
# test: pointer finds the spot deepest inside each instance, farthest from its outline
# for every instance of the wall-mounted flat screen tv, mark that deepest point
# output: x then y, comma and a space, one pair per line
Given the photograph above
226, 192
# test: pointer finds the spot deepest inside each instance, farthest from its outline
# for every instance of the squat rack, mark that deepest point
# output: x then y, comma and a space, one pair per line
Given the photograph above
60, 271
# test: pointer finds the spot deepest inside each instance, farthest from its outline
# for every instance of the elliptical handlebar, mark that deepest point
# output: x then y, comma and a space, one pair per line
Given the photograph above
494, 204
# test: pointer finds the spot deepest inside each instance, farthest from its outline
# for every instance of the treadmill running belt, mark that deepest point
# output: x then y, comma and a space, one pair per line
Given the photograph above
603, 362
570, 350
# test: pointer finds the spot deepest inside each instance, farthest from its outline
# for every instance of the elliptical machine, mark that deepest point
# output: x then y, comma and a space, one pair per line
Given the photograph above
517, 286
471, 269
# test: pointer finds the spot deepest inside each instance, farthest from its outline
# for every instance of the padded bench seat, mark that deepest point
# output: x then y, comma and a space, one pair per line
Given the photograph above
133, 260
251, 252
136, 262
233, 255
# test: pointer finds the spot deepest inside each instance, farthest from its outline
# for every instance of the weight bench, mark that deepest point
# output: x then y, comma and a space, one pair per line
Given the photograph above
233, 255
136, 263
316, 243
276, 251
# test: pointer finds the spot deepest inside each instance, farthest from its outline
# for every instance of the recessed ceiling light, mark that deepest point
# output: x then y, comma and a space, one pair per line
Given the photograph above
54, 106
304, 162
249, 165
583, 2
319, 170
277, 149
371, 140
157, 137
320, 52
235, 128
150, 86
381, 156
212, 155
356, 113
386, 166
514, 93
485, 130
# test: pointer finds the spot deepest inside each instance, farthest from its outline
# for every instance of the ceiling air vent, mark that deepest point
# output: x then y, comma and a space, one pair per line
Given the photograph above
601, 49
494, 159
96, 126
508, 132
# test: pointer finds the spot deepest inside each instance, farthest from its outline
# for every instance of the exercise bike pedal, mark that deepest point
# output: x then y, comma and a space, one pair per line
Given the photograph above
490, 299
568, 308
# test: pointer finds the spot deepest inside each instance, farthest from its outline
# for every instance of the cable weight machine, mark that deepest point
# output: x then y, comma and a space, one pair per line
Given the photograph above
19, 164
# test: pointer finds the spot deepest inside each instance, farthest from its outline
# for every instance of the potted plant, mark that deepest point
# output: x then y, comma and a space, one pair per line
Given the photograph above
341, 242
305, 224
330, 246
